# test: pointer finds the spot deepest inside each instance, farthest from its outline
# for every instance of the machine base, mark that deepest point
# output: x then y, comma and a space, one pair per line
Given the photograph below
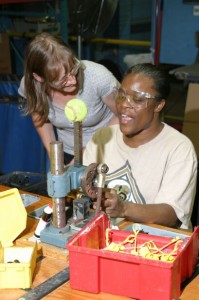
59, 237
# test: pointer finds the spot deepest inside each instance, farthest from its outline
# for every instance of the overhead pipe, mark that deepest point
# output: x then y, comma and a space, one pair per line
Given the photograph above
115, 41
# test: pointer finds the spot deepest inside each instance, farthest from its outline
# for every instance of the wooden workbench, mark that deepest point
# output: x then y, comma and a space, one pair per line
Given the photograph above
54, 259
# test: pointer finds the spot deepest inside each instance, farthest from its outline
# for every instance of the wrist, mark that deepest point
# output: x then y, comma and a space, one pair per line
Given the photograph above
128, 210
124, 206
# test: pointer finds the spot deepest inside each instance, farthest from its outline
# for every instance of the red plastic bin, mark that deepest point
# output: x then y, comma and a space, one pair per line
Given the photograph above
95, 270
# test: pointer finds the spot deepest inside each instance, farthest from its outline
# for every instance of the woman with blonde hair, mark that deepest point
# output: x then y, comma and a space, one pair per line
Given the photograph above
53, 76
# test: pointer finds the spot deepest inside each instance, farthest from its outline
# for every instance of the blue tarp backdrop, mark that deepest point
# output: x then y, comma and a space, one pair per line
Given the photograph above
21, 149
20, 146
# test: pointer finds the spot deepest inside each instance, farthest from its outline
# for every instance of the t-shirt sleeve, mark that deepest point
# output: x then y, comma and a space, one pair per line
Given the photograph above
107, 82
100, 78
21, 89
179, 182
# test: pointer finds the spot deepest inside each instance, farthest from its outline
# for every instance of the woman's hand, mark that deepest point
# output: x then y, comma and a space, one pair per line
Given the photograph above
112, 204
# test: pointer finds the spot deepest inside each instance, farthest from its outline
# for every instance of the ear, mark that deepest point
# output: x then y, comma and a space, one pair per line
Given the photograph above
159, 106
37, 77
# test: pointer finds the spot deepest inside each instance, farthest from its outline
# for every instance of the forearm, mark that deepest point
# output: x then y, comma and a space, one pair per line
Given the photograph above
162, 214
46, 133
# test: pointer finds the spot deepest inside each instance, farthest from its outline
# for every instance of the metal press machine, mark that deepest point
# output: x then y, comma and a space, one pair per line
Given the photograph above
87, 182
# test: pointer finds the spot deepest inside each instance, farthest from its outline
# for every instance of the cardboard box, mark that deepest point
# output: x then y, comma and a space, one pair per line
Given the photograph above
192, 104
191, 130
5, 58
191, 117
17, 264
95, 269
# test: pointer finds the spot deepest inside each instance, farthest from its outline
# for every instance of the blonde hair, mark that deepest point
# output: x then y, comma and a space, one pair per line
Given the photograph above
46, 54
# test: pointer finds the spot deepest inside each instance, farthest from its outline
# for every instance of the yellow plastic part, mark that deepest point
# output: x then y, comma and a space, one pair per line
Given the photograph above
17, 264
18, 274
13, 216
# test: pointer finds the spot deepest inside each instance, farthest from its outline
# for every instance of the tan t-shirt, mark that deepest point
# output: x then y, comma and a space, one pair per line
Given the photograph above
160, 171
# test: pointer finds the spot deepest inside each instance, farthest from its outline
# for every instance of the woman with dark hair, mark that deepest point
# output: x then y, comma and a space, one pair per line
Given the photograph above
152, 166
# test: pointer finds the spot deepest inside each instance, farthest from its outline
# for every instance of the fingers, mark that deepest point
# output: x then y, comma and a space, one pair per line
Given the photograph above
109, 199
110, 193
106, 203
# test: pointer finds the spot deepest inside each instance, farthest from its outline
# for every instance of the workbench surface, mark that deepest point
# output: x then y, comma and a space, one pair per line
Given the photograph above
52, 260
